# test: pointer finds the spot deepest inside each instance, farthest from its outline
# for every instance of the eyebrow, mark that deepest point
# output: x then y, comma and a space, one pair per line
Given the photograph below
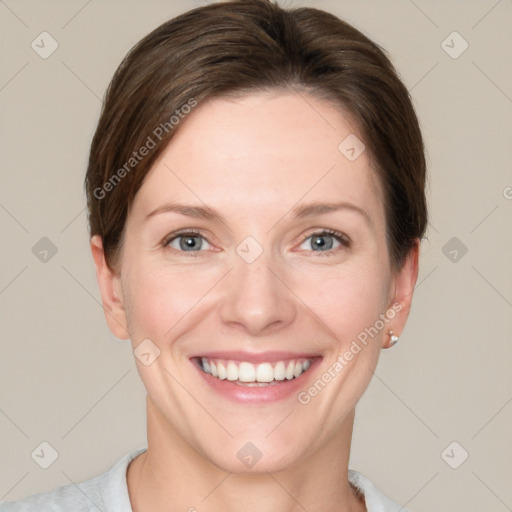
299, 212
318, 208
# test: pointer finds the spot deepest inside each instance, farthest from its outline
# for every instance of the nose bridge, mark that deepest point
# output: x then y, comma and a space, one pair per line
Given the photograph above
256, 298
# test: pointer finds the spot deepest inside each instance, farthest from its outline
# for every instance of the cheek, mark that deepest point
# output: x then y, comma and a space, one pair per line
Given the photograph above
159, 298
347, 300
164, 298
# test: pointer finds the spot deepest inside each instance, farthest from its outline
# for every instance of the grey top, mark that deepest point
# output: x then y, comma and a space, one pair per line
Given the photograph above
108, 492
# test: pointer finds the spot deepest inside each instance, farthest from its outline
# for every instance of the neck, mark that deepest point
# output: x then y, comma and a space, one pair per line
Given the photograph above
172, 476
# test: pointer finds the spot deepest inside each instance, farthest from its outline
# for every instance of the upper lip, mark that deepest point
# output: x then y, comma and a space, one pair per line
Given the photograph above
255, 357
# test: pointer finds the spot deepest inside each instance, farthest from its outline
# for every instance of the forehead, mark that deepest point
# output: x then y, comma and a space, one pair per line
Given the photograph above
263, 152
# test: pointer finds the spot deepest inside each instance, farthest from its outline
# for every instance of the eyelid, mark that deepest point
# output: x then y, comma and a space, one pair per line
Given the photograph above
176, 234
187, 231
341, 237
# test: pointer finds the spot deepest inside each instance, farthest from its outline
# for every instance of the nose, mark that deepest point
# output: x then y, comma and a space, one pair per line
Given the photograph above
257, 300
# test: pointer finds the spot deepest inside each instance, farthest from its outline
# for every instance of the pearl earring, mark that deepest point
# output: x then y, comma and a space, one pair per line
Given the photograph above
393, 338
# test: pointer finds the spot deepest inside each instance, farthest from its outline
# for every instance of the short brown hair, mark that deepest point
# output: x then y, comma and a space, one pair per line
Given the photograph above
239, 47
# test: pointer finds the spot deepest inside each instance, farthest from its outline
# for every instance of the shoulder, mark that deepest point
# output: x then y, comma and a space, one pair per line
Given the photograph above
83, 497
375, 499
106, 492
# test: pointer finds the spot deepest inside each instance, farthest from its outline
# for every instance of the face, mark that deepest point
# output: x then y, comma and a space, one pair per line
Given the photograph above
256, 275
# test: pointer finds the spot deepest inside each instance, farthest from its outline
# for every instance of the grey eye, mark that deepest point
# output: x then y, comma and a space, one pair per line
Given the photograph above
187, 242
322, 242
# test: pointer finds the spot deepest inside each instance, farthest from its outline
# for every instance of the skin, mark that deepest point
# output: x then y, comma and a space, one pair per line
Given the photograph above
253, 159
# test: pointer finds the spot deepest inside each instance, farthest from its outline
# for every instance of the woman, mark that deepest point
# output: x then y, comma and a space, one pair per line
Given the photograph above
256, 204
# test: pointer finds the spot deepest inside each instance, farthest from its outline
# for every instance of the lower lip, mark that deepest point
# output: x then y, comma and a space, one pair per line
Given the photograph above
256, 394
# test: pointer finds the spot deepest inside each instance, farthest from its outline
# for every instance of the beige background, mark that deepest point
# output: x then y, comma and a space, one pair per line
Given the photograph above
66, 381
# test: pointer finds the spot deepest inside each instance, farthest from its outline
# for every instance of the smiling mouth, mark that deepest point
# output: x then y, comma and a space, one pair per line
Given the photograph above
248, 374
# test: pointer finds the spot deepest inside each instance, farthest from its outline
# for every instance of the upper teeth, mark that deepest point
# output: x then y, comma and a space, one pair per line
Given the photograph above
247, 372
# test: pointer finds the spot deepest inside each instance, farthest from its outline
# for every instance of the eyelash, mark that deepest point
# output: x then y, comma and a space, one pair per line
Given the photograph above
340, 237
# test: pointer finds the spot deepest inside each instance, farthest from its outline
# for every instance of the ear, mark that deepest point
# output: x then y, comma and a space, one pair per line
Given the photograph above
109, 282
403, 284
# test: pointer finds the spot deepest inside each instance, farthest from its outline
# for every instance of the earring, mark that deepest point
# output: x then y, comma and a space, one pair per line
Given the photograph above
393, 338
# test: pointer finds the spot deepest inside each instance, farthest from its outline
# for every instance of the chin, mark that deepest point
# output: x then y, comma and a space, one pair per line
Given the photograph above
249, 459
